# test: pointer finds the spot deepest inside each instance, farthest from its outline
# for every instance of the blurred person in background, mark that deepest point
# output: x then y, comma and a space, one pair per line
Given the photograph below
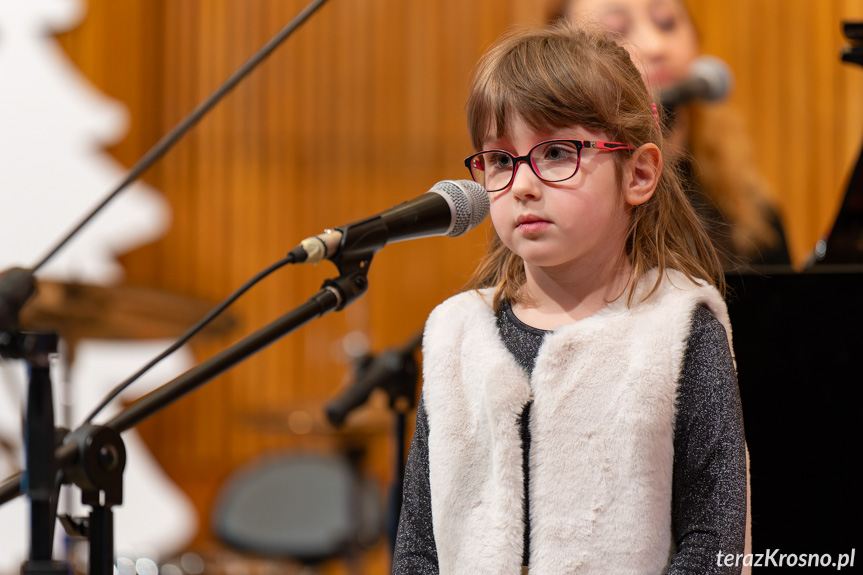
716, 154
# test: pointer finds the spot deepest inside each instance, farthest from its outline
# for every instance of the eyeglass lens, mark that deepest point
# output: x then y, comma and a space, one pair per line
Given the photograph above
550, 161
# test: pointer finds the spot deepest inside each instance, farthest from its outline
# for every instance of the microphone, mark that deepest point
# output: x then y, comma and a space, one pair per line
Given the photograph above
450, 208
710, 79
394, 370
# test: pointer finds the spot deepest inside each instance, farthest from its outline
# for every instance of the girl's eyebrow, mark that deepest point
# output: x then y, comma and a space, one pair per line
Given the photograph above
497, 144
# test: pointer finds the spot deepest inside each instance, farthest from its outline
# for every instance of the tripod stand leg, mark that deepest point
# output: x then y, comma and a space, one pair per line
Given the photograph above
101, 540
40, 462
40, 439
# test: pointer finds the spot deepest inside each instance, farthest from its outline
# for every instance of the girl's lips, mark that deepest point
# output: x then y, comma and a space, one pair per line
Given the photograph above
659, 79
530, 224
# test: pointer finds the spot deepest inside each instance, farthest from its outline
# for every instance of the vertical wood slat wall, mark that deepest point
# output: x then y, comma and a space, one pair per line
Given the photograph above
360, 110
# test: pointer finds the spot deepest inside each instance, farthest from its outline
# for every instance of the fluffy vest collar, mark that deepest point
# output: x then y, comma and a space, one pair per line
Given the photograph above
601, 435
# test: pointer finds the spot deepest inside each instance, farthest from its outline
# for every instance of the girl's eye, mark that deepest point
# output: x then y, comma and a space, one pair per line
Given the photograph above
666, 24
559, 153
499, 161
664, 18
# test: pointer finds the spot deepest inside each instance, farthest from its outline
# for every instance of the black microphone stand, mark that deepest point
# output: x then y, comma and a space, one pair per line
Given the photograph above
395, 371
93, 456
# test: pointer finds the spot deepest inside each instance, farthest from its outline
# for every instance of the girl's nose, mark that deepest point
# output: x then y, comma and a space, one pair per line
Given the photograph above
526, 185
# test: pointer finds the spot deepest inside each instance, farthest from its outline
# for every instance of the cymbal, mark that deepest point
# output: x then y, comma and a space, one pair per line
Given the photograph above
84, 311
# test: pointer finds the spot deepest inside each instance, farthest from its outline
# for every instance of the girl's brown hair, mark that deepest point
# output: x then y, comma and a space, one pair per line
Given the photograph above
562, 76
725, 168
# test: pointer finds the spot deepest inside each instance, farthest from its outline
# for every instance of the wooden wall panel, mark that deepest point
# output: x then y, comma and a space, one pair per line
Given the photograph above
362, 109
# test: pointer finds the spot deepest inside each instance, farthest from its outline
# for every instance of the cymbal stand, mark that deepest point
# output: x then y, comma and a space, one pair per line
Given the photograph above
41, 482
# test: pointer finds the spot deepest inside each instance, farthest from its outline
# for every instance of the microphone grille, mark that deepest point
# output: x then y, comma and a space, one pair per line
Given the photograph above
470, 203
716, 75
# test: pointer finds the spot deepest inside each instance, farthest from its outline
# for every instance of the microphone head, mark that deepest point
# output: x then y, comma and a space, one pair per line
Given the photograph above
716, 77
468, 201
709, 79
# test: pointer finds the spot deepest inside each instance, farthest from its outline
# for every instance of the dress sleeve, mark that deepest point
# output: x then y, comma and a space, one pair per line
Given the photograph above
710, 480
415, 550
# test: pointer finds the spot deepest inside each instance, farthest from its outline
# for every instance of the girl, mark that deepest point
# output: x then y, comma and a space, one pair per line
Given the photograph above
724, 184
580, 411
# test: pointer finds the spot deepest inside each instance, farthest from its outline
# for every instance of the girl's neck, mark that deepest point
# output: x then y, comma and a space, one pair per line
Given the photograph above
560, 297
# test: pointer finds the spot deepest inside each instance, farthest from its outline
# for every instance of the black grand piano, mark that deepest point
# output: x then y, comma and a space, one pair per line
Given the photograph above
798, 340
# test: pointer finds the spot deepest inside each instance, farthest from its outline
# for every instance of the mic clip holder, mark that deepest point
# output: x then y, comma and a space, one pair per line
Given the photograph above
98, 471
360, 242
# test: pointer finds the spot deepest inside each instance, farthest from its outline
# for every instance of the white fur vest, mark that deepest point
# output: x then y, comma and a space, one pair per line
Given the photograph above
602, 428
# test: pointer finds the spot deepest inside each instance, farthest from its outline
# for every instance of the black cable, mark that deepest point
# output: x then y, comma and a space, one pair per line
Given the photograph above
190, 332
168, 140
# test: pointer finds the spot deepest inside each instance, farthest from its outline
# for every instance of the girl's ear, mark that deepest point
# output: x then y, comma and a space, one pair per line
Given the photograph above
643, 170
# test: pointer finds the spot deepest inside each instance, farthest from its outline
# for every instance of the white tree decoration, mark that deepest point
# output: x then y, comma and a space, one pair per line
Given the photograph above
54, 127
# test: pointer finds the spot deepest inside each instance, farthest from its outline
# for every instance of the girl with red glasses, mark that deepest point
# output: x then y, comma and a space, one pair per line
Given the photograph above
580, 410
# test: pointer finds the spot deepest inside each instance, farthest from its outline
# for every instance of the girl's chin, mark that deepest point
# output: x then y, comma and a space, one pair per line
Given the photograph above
545, 260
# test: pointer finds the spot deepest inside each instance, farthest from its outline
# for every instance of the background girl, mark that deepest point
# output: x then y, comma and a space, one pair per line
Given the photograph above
723, 182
